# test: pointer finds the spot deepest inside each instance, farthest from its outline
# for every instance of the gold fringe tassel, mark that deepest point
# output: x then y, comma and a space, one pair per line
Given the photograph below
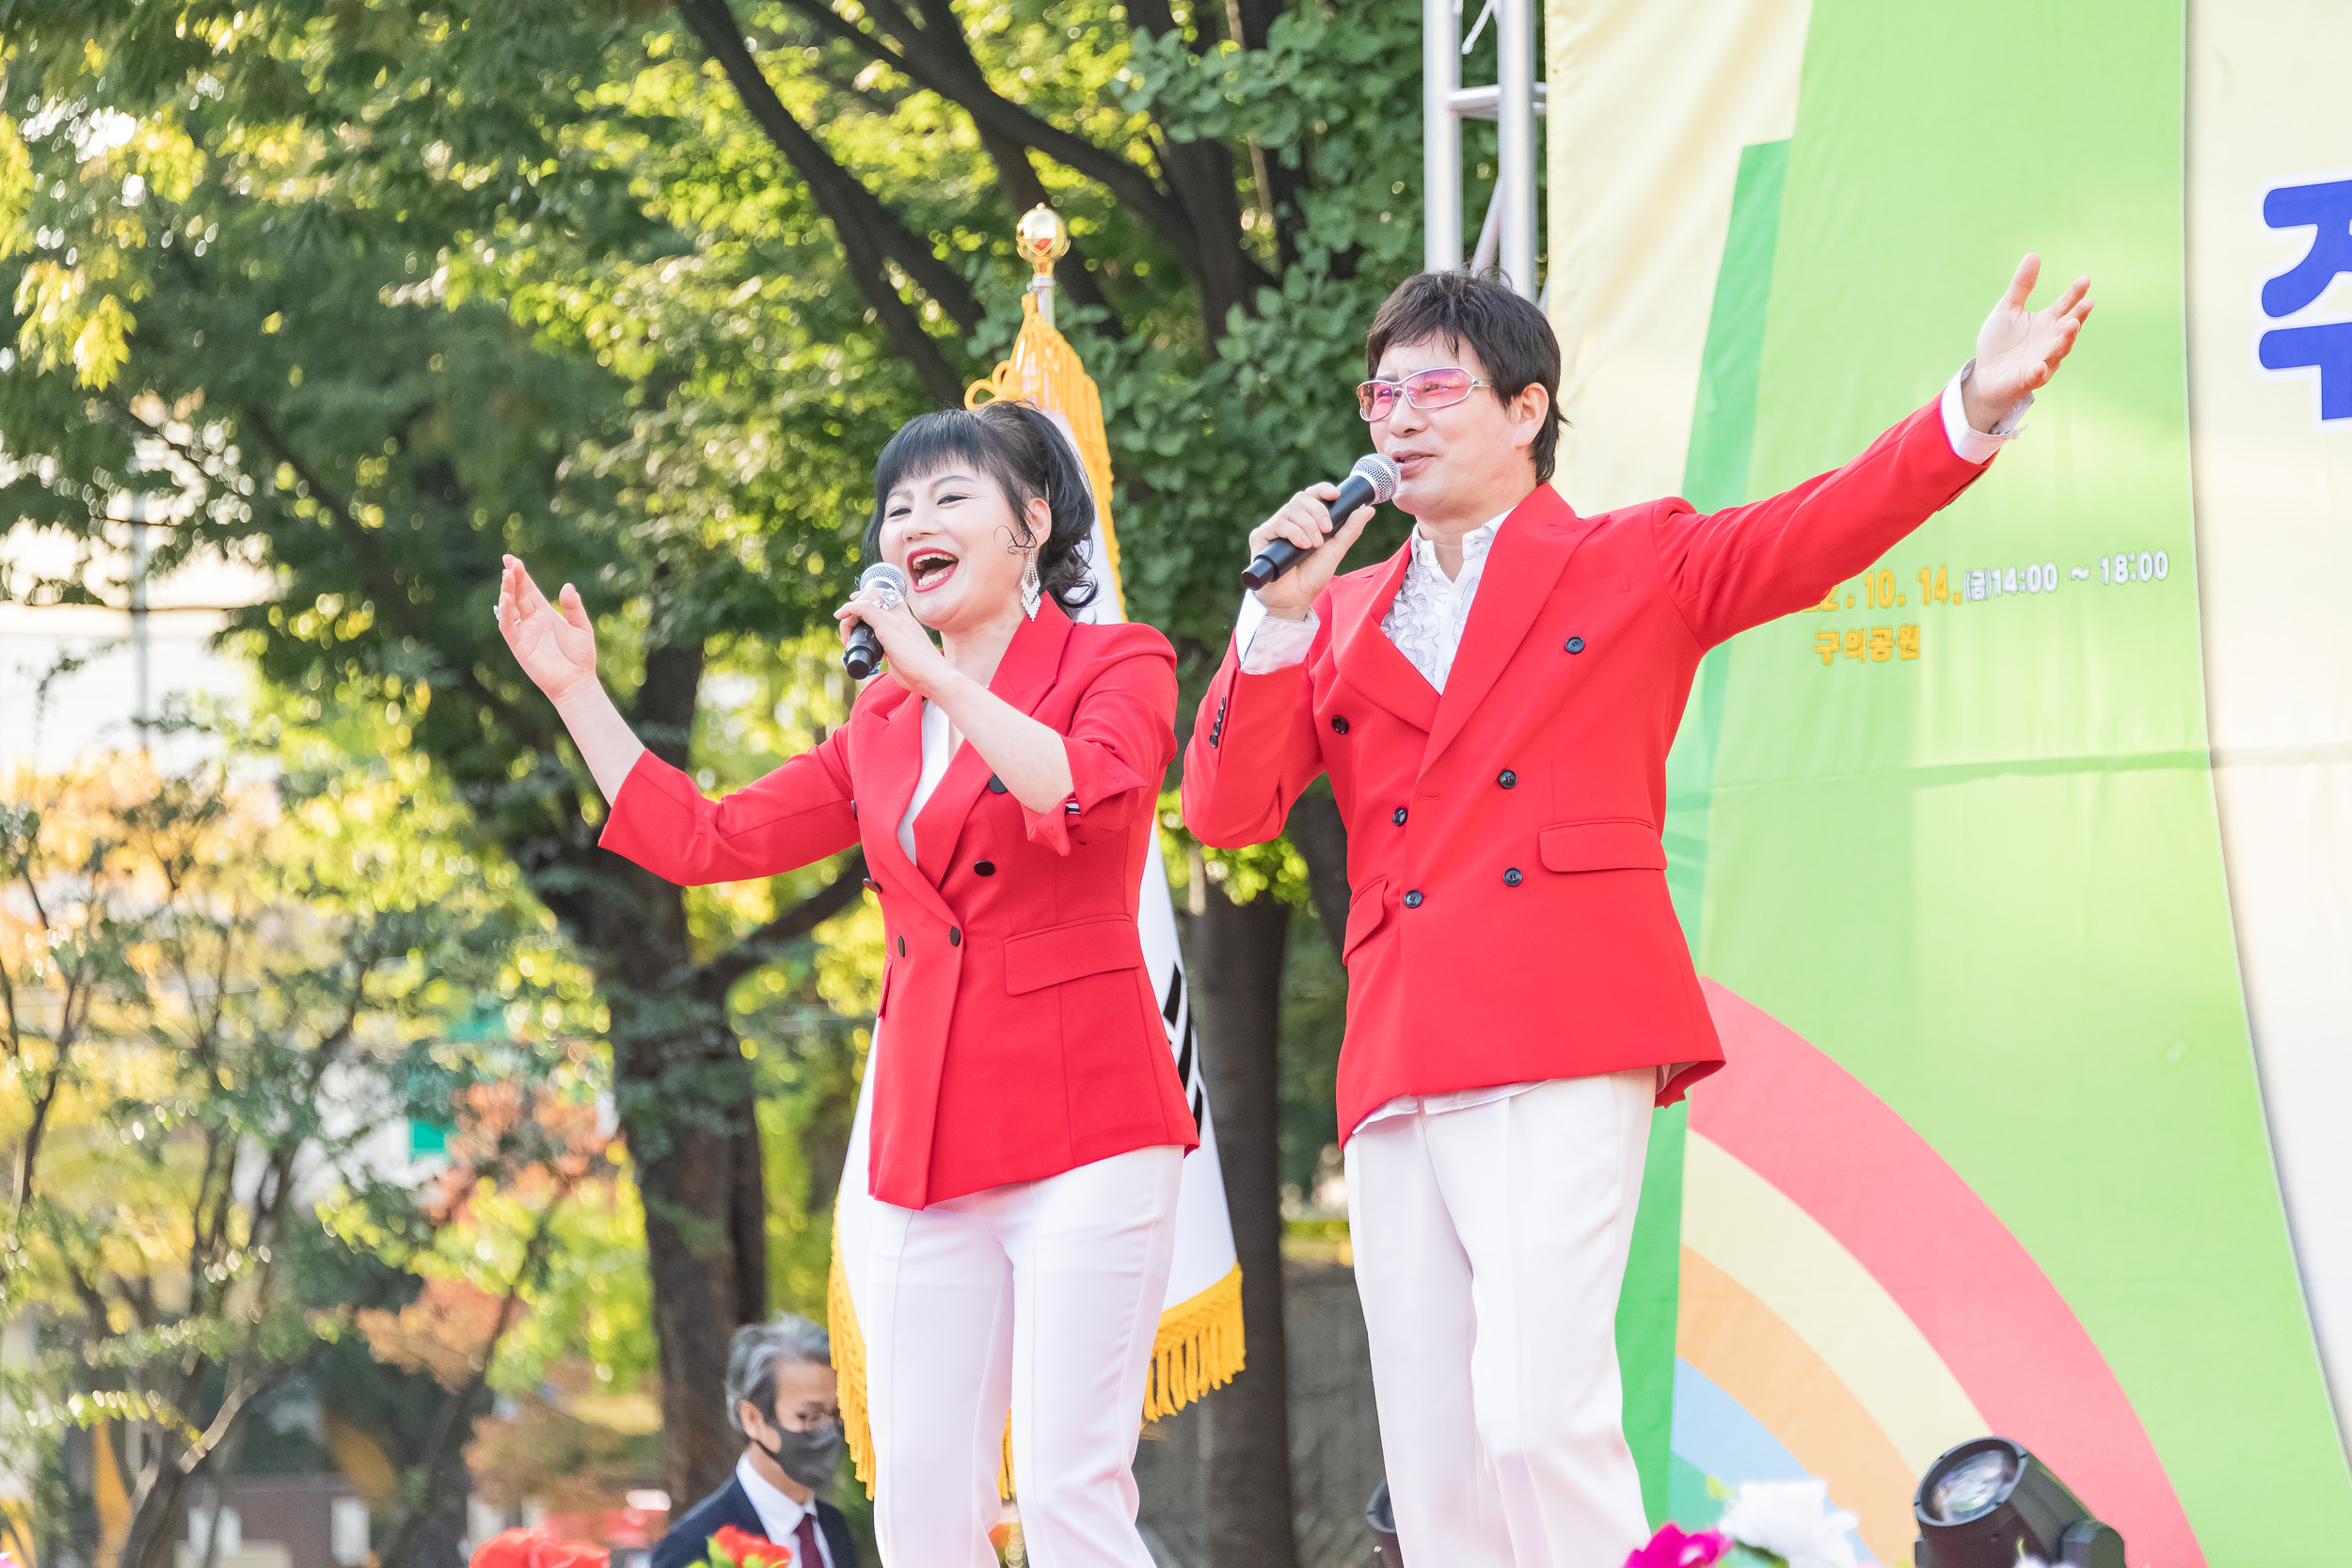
1045, 369
1199, 1347
848, 1362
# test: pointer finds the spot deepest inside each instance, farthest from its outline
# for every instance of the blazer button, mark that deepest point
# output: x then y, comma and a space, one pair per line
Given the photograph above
875, 885
1339, 723
1574, 644
853, 811
1508, 779
1412, 899
1512, 878
984, 868
902, 947
1397, 816
996, 785
955, 938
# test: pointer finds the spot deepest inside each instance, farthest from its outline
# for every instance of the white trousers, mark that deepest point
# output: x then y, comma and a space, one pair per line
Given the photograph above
1044, 1296
1490, 1247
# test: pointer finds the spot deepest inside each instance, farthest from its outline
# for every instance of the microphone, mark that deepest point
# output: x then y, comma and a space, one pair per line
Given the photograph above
863, 654
1372, 481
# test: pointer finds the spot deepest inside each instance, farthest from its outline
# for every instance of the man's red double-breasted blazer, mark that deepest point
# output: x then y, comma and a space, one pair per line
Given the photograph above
1021, 1036
1508, 918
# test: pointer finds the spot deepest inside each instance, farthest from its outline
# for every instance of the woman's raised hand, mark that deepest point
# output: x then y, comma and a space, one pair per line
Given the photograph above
553, 643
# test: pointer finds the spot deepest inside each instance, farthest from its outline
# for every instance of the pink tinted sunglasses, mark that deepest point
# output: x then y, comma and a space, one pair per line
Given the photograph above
1441, 388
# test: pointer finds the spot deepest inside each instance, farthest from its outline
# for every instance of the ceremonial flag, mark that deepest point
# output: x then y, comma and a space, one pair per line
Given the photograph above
1199, 1342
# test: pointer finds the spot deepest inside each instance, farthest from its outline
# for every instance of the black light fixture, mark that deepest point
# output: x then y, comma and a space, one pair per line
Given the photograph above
1989, 1503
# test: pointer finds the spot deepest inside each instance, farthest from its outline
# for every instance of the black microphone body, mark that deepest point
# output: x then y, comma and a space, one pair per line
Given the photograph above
863, 654
1372, 481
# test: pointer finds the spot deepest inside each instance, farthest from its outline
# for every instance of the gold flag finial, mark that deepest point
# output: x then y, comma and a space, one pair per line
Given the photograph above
1043, 238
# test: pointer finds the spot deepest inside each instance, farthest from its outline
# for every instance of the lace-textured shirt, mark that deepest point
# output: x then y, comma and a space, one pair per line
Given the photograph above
1426, 617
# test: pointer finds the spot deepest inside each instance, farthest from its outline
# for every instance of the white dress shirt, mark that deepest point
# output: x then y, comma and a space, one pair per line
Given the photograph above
779, 1515
940, 741
1426, 621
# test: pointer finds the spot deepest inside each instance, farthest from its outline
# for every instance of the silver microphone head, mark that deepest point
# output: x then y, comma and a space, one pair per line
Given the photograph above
883, 572
1382, 472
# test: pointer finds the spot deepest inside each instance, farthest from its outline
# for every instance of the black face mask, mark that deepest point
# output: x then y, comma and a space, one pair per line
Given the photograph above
811, 1457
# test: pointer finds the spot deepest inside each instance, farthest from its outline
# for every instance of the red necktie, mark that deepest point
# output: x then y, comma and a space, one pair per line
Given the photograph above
804, 1552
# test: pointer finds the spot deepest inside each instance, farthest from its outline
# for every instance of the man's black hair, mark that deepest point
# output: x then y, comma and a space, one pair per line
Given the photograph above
1513, 341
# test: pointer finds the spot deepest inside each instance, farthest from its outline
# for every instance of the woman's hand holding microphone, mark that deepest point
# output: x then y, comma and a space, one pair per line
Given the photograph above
913, 659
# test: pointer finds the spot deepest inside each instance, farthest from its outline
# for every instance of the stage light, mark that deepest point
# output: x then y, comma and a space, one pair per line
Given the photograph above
1987, 1503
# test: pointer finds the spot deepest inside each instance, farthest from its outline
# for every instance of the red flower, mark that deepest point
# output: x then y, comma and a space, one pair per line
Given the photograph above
1670, 1548
530, 1548
744, 1549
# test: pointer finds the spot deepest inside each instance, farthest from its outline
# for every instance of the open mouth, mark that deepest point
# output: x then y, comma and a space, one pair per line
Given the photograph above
928, 568
1412, 459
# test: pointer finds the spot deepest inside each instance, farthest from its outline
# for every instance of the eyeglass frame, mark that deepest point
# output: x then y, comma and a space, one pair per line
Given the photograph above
1397, 389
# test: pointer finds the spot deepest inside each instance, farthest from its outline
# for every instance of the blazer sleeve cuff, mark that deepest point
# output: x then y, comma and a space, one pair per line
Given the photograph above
655, 805
1099, 779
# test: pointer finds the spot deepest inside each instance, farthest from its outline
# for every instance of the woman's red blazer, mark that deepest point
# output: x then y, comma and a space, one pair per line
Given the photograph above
1023, 1038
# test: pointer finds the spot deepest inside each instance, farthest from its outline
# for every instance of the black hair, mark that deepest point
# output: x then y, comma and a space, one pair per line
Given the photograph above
1029, 457
1509, 335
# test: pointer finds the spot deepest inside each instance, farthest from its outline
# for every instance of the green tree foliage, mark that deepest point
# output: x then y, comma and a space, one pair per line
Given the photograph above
636, 292
222, 1005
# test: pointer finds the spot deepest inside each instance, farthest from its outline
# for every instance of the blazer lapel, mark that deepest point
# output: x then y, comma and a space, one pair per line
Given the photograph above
896, 760
1028, 672
1369, 660
1530, 551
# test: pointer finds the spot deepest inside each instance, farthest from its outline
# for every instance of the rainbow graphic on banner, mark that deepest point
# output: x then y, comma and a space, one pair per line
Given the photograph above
2014, 868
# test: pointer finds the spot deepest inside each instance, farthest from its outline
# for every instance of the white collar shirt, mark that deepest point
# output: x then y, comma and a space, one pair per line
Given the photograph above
1426, 617
779, 1515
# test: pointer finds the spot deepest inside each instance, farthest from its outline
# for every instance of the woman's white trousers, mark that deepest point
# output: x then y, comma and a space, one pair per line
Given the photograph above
1042, 1297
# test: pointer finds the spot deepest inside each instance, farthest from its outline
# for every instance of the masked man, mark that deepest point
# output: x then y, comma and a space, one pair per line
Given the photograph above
782, 1398
1494, 704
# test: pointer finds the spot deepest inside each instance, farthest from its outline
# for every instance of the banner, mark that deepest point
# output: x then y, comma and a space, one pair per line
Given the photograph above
2015, 868
1199, 1342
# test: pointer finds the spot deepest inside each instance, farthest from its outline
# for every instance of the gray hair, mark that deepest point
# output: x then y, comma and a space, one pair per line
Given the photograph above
760, 1349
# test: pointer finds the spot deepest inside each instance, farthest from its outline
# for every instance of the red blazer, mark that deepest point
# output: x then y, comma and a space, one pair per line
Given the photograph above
1509, 918
1023, 1036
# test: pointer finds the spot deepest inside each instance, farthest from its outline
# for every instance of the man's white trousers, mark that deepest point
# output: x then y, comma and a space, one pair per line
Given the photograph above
1490, 1247
1041, 1296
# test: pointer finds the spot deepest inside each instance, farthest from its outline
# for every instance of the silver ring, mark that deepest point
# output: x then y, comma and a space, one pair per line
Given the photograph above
889, 596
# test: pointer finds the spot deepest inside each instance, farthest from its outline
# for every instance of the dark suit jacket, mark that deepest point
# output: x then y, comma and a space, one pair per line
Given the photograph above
690, 1538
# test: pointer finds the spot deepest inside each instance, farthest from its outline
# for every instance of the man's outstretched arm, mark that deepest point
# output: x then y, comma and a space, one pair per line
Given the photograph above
1747, 564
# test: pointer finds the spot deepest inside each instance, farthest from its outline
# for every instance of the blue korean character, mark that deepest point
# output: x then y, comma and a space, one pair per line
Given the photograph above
2325, 346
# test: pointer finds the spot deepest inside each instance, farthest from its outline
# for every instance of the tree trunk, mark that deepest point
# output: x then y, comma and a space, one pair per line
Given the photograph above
1246, 1442
684, 1094
1319, 834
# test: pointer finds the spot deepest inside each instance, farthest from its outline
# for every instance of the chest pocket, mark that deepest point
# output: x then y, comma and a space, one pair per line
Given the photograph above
1586, 590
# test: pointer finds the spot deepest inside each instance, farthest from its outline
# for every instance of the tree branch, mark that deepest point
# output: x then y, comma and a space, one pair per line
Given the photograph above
870, 233
936, 55
711, 980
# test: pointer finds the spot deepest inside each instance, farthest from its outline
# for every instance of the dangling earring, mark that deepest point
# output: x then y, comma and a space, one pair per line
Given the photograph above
1031, 589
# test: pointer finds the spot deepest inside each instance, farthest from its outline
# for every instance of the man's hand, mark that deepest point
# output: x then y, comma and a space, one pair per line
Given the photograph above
2019, 350
1305, 520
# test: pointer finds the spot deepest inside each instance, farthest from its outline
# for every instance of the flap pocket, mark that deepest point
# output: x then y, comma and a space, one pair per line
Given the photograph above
1035, 960
1363, 915
1604, 844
